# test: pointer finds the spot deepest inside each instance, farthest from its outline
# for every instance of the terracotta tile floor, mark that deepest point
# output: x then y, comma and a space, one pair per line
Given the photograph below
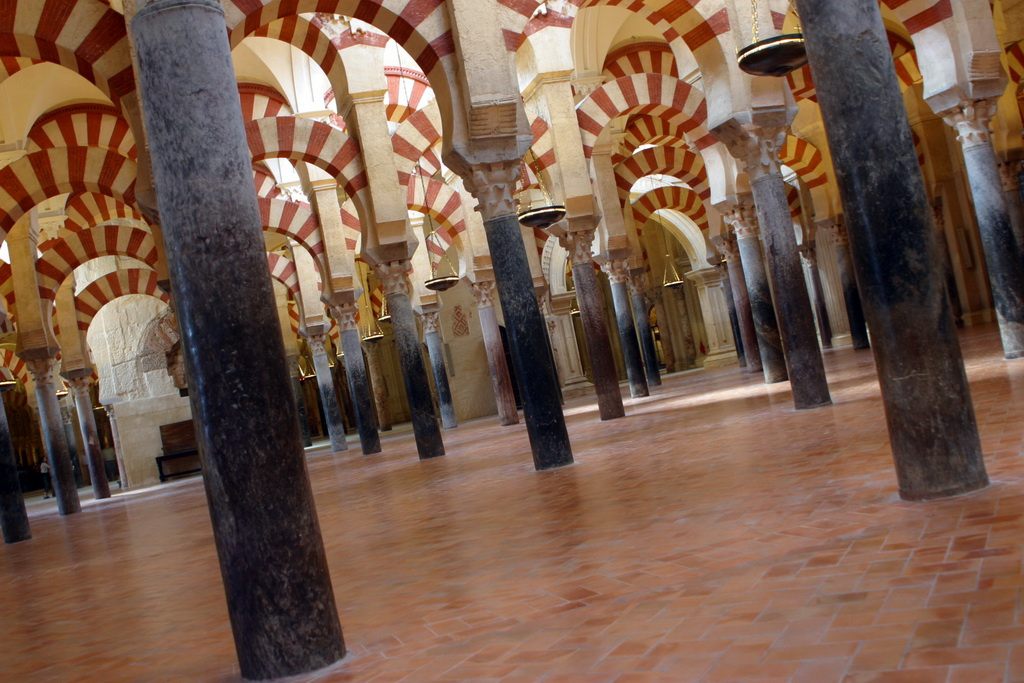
715, 534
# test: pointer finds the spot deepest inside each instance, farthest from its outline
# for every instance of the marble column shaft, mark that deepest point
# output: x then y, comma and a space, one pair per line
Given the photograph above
358, 382
417, 387
934, 435
734, 325
617, 271
122, 473
279, 595
300, 406
744, 317
54, 438
643, 329
851, 292
435, 351
820, 309
13, 515
595, 332
378, 386
796, 321
1010, 174
998, 242
328, 395
762, 310
90, 437
504, 396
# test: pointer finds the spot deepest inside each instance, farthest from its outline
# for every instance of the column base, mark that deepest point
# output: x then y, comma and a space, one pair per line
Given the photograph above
721, 359
958, 490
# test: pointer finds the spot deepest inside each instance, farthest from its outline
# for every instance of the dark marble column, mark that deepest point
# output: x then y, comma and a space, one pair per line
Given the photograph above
1009, 174
279, 595
90, 436
1002, 253
378, 386
618, 272
328, 395
358, 382
851, 292
435, 351
595, 333
734, 322
637, 285
676, 299
664, 329
949, 277
52, 426
394, 277
793, 307
122, 473
924, 387
13, 516
762, 310
504, 396
741, 299
492, 185
810, 255
300, 404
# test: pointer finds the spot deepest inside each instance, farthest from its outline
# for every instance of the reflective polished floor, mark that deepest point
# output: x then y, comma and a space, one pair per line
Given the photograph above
714, 534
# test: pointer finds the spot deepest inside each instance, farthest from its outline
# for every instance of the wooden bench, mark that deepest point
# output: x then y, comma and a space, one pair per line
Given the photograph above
178, 440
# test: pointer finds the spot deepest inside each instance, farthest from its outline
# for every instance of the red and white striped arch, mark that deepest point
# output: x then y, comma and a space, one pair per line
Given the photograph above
88, 209
296, 221
650, 130
15, 365
105, 289
417, 143
84, 36
283, 270
640, 58
266, 185
61, 256
680, 199
353, 228
12, 65
806, 161
796, 207
304, 35
444, 206
48, 173
320, 144
677, 102
83, 125
7, 289
261, 101
671, 161
408, 92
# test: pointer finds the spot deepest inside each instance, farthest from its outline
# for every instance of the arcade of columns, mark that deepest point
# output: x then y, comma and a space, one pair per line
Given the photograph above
198, 177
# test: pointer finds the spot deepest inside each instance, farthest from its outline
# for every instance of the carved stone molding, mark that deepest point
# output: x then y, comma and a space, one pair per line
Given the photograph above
345, 316
80, 387
431, 321
637, 284
493, 186
42, 370
743, 219
317, 343
394, 277
617, 270
971, 122
483, 292
579, 244
759, 149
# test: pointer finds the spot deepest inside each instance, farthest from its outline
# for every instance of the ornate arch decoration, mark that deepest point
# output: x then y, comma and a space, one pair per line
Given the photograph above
676, 101
48, 173
261, 101
650, 130
282, 269
639, 58
61, 256
296, 221
806, 161
89, 209
680, 199
408, 93
83, 125
671, 161
105, 289
415, 143
15, 365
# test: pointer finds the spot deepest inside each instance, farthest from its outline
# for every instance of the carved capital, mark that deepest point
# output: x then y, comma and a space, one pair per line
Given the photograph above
483, 292
317, 344
970, 119
493, 186
431, 322
579, 245
345, 315
1008, 175
80, 387
743, 219
42, 370
394, 277
809, 255
617, 270
637, 284
840, 235
729, 248
760, 151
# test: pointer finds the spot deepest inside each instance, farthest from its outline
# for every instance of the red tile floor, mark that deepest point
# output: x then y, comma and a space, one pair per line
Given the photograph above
714, 534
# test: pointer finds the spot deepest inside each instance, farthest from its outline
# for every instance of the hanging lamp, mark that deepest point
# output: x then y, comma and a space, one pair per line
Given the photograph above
372, 333
776, 56
542, 217
385, 314
440, 282
574, 309
671, 279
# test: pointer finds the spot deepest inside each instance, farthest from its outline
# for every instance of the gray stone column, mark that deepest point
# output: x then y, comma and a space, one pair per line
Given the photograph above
378, 386
90, 436
796, 321
927, 401
504, 396
435, 351
395, 280
637, 285
122, 473
676, 298
52, 426
13, 516
759, 295
300, 404
1009, 174
810, 256
328, 395
355, 371
617, 271
734, 321
595, 333
1003, 255
949, 277
851, 292
741, 299
279, 594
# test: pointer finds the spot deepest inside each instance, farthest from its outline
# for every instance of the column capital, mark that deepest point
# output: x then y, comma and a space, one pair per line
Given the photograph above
317, 343
840, 235
394, 277
759, 149
729, 248
80, 385
431, 321
42, 370
579, 245
483, 292
493, 186
743, 219
809, 253
345, 315
617, 270
637, 284
971, 119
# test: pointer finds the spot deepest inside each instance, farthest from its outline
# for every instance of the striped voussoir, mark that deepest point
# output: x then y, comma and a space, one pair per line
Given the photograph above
266, 185
671, 161
7, 290
14, 365
408, 92
61, 256
681, 199
416, 142
106, 288
296, 221
542, 151
641, 58
305, 36
353, 228
89, 209
83, 125
261, 101
796, 207
282, 269
806, 161
48, 173
677, 101
12, 65
650, 130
